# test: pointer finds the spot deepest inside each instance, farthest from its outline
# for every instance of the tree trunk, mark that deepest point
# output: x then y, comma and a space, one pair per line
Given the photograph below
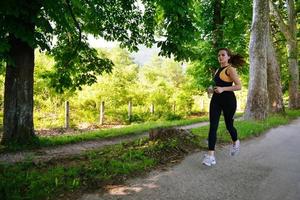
18, 94
289, 31
294, 75
292, 56
217, 22
257, 100
274, 81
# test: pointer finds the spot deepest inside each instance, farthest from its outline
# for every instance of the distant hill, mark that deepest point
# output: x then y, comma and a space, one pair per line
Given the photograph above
141, 57
144, 54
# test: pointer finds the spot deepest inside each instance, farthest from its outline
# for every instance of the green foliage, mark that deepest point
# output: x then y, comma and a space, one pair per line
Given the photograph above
75, 68
236, 19
164, 82
69, 22
184, 102
16, 18
176, 26
203, 70
161, 82
48, 104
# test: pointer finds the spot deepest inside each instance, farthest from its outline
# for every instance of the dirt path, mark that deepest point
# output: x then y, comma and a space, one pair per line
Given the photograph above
49, 153
267, 168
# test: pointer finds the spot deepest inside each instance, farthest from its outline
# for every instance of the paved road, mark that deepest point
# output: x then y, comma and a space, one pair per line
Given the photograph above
268, 168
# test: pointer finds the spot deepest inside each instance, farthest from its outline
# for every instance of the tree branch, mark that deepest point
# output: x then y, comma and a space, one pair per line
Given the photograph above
74, 19
282, 25
278, 41
292, 17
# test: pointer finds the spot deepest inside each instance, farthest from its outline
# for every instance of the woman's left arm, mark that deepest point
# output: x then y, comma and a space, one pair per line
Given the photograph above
236, 80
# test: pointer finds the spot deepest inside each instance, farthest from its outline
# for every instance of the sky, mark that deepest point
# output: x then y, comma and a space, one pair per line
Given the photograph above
141, 57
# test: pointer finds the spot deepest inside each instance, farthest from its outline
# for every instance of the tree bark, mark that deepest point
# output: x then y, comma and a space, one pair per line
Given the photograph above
293, 54
217, 22
274, 81
257, 100
294, 75
18, 93
289, 31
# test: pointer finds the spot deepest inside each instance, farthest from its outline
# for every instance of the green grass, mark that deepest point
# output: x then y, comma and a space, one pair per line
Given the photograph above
116, 132
50, 180
100, 134
248, 129
39, 181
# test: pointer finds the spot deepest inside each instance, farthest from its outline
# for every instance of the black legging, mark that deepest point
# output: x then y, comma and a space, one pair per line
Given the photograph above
225, 102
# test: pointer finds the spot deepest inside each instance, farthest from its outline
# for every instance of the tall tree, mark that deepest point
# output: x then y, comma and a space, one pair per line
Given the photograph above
289, 30
26, 25
274, 80
257, 100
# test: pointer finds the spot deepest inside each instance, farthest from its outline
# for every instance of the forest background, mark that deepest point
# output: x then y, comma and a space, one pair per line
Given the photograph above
188, 33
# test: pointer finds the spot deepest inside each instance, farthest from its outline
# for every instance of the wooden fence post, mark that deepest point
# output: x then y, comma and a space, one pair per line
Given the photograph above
201, 104
174, 107
102, 110
67, 115
152, 108
129, 111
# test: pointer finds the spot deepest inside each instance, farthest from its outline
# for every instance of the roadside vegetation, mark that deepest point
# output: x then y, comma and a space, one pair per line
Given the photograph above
250, 128
58, 179
64, 178
100, 134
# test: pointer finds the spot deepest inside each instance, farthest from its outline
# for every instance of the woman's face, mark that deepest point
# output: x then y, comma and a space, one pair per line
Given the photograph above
223, 57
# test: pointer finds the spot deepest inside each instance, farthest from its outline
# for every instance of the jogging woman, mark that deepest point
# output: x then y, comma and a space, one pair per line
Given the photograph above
223, 99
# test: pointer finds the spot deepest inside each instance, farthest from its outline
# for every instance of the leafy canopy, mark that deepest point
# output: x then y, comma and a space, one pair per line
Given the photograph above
69, 22
235, 33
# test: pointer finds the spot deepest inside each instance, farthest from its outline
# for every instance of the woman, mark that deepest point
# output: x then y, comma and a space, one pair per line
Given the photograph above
223, 99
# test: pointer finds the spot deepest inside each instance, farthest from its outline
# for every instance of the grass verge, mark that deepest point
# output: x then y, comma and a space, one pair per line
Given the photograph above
251, 128
99, 134
69, 177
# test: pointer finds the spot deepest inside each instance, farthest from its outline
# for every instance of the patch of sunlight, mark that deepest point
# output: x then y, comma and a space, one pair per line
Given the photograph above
126, 190
123, 190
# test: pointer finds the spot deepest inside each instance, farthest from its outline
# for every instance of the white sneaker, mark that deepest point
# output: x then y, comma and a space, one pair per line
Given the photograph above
235, 148
209, 160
